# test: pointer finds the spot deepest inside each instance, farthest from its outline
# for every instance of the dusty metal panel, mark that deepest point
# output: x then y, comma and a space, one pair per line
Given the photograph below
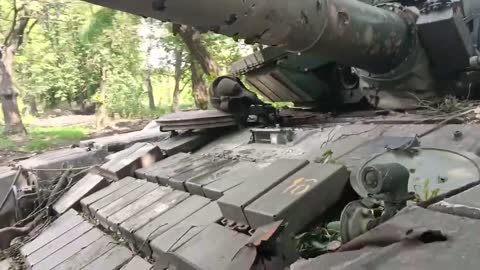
64, 158
61, 225
196, 184
150, 172
455, 137
451, 54
84, 187
59, 243
459, 251
210, 167
124, 166
86, 202
339, 140
126, 152
207, 125
465, 204
184, 143
301, 198
229, 180
6, 264
180, 117
137, 206
181, 233
131, 225
258, 183
167, 220
88, 254
7, 176
69, 250
218, 245
179, 167
113, 259
162, 171
103, 214
181, 172
119, 142
356, 158
112, 197
191, 120
137, 263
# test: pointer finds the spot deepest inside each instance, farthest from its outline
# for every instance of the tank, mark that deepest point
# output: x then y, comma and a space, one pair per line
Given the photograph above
399, 50
249, 186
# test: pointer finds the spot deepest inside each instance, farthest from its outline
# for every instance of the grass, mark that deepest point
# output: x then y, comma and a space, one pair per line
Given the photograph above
42, 138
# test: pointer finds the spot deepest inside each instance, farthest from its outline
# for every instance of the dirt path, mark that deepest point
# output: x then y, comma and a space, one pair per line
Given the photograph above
116, 127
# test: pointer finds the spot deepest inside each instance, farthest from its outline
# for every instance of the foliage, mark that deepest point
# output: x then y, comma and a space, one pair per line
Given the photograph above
316, 242
76, 53
426, 192
42, 138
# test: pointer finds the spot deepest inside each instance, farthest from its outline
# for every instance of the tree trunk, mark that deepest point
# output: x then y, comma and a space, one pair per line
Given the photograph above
32, 102
192, 40
8, 97
103, 118
199, 88
148, 82
178, 77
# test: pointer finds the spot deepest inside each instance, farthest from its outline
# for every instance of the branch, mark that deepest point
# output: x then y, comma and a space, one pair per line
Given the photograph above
20, 31
31, 27
14, 22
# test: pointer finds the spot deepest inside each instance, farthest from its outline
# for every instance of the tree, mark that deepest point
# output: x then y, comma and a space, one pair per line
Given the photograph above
199, 88
201, 62
178, 77
8, 95
199, 52
151, 43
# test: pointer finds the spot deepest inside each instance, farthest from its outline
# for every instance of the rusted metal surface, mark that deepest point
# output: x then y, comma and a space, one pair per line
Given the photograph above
251, 253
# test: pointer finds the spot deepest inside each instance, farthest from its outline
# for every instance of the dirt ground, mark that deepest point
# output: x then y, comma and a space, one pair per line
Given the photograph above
116, 127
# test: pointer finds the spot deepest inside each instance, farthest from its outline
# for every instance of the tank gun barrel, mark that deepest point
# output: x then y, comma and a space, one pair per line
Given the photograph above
348, 31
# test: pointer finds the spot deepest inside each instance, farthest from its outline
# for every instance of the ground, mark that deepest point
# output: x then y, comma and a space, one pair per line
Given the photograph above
59, 131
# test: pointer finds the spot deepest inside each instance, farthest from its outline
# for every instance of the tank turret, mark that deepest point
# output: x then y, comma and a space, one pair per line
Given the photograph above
402, 51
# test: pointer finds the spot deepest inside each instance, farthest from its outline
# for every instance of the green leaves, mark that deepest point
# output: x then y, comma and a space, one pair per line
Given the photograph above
96, 25
317, 241
73, 43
